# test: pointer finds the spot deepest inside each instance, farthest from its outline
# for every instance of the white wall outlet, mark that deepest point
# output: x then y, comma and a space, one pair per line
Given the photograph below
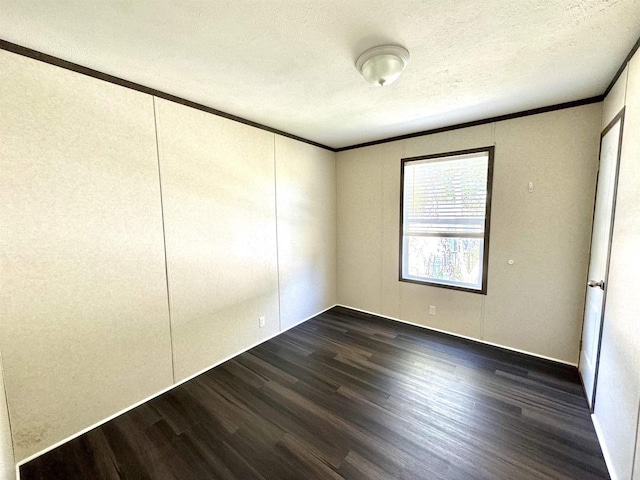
262, 322
432, 309
530, 187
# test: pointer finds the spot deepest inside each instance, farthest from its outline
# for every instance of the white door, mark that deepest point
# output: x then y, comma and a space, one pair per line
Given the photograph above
599, 262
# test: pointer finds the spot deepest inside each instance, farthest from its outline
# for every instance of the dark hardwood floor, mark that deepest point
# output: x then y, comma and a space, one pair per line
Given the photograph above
349, 395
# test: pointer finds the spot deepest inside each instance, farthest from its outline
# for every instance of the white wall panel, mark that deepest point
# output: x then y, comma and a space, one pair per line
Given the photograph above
306, 207
618, 390
218, 186
83, 299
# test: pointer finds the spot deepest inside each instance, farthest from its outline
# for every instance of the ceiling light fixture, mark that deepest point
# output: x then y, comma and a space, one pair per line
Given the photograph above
382, 65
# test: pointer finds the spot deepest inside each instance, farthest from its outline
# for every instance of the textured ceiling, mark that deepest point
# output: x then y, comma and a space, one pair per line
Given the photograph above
289, 64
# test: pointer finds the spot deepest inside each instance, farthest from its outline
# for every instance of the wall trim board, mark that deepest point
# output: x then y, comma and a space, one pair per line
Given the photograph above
634, 49
157, 394
465, 337
58, 62
525, 113
475, 123
50, 59
596, 426
603, 446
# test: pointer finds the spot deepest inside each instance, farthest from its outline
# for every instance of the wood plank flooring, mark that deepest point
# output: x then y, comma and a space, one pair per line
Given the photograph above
350, 396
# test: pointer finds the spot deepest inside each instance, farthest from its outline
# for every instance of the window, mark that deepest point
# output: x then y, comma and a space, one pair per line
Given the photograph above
445, 211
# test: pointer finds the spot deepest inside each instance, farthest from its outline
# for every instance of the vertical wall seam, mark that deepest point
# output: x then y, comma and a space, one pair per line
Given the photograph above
164, 242
381, 234
403, 154
637, 444
5, 399
626, 83
275, 191
483, 309
335, 176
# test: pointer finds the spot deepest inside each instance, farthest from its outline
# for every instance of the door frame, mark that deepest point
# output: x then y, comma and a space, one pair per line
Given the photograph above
610, 125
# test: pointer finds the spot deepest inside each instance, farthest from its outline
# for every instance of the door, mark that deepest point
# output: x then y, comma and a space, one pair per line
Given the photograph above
610, 146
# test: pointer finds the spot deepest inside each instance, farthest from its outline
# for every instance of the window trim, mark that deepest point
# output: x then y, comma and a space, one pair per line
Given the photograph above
490, 150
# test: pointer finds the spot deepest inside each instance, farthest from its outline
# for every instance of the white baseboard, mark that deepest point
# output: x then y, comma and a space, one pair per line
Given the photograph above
131, 407
596, 425
603, 446
462, 336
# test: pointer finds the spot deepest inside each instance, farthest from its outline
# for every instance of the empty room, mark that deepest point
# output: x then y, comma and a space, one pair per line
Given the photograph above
356, 239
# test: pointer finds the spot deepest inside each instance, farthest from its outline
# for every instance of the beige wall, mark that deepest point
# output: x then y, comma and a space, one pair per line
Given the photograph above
85, 323
85, 328
306, 209
218, 192
618, 391
83, 295
534, 305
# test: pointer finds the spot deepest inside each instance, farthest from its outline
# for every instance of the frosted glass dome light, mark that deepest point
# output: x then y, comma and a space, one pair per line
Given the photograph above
382, 65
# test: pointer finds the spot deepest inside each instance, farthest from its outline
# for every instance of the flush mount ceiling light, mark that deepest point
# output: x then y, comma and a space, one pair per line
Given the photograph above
382, 65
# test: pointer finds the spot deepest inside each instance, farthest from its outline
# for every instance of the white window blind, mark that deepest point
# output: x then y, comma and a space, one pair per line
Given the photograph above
444, 208
446, 197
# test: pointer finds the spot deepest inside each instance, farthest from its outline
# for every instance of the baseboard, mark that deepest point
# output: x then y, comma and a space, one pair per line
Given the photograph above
603, 447
556, 360
596, 425
157, 394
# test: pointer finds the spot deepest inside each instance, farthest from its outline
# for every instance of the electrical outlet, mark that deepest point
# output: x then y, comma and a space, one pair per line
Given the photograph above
432, 309
262, 321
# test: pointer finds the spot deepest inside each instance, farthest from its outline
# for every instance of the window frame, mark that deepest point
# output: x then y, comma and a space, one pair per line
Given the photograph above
490, 150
